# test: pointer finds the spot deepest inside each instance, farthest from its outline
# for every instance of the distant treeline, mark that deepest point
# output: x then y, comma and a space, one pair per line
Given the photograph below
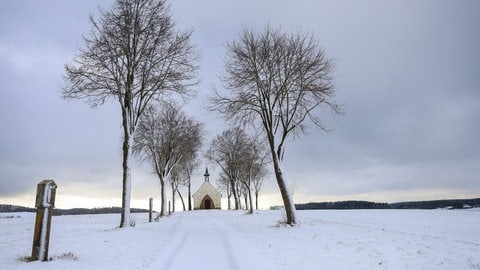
342, 205
7, 208
454, 204
451, 204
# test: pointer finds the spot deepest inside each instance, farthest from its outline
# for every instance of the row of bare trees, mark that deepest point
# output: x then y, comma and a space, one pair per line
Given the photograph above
274, 81
170, 141
135, 55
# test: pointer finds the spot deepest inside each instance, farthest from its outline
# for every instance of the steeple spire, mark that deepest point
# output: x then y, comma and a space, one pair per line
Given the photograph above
206, 175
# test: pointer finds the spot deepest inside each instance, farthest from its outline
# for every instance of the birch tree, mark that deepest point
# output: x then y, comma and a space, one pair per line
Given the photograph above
165, 138
276, 81
134, 54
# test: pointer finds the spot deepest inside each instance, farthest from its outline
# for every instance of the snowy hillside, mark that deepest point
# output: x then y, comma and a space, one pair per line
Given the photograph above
357, 239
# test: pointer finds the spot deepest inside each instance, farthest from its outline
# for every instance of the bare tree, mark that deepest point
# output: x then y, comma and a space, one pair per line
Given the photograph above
223, 182
253, 170
175, 183
259, 173
134, 54
177, 180
182, 174
165, 138
227, 151
247, 195
190, 164
242, 159
276, 81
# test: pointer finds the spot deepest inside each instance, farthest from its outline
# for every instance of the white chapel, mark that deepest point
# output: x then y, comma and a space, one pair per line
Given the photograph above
207, 197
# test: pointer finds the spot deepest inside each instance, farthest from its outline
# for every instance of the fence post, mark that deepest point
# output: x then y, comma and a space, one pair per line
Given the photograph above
150, 210
44, 202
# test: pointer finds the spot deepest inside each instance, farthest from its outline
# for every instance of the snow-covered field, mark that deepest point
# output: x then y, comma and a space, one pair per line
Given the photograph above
357, 239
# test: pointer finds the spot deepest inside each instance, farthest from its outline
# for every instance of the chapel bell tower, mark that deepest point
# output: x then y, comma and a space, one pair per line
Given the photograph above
206, 175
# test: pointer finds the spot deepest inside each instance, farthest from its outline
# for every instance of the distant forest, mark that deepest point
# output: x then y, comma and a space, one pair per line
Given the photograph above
7, 208
449, 204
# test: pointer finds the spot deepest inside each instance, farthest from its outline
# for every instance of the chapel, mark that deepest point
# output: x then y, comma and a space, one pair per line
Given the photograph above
207, 197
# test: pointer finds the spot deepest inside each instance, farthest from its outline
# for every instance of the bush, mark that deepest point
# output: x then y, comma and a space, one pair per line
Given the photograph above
67, 256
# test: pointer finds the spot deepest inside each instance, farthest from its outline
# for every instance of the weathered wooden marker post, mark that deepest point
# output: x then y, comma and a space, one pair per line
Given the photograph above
45, 202
150, 210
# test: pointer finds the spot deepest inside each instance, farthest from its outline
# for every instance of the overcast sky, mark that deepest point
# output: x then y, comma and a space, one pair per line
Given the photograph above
407, 72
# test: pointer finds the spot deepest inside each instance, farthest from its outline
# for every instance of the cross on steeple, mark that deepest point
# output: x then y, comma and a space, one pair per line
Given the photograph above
206, 175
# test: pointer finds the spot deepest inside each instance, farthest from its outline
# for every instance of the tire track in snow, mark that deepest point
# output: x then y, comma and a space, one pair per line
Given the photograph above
240, 252
192, 240
178, 248
203, 241
230, 254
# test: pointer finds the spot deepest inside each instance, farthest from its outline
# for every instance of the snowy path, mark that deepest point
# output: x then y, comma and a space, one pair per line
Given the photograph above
203, 241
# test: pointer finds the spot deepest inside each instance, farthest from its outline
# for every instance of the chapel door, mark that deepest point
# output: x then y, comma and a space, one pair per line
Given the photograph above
208, 204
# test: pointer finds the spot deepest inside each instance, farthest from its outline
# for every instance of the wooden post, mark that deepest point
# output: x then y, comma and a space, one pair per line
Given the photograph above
150, 210
45, 202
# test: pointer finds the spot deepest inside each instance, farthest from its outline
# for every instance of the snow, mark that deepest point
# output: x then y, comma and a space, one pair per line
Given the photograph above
327, 239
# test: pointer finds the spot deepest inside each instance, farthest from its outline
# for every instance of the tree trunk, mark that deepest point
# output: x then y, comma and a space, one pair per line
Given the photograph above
173, 198
239, 195
287, 199
235, 196
181, 198
126, 177
163, 200
256, 200
189, 196
229, 195
239, 202
246, 201
250, 200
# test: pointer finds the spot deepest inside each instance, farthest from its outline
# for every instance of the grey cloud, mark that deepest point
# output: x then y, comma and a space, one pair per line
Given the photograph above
407, 72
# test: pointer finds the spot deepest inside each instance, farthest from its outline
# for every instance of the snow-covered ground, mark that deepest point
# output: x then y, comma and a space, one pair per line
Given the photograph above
357, 239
